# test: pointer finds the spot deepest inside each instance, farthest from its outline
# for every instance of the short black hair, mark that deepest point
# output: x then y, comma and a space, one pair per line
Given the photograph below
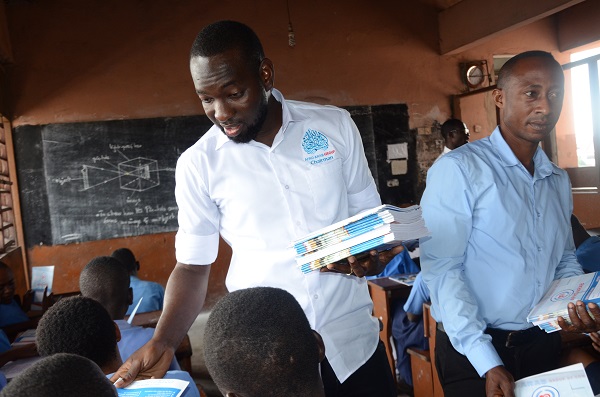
78, 325
62, 374
126, 257
106, 280
258, 342
506, 70
222, 36
451, 125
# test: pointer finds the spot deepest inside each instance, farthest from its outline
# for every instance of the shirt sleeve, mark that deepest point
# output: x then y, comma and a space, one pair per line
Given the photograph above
418, 295
448, 212
197, 239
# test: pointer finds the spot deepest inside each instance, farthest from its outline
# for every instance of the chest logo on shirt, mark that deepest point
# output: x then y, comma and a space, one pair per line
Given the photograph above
315, 144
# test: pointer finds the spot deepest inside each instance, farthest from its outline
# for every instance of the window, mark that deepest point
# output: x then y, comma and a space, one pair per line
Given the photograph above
578, 132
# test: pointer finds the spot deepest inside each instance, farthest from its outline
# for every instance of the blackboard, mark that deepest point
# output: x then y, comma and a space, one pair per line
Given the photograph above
107, 179
100, 180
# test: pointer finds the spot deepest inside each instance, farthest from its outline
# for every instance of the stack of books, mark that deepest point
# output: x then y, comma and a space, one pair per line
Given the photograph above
380, 228
554, 303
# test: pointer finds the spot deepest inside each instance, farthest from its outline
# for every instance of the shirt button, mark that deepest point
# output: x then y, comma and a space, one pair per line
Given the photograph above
298, 223
287, 187
539, 249
315, 296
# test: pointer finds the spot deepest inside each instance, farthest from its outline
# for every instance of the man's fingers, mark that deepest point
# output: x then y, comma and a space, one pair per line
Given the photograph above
125, 375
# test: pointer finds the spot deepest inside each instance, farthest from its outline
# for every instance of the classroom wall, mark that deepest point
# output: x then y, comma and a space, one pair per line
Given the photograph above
81, 61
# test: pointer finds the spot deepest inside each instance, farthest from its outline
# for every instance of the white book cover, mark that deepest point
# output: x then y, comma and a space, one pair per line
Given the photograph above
568, 381
584, 287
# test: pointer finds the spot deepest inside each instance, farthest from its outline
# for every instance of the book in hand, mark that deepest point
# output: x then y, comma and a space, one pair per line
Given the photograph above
570, 381
406, 279
553, 304
380, 228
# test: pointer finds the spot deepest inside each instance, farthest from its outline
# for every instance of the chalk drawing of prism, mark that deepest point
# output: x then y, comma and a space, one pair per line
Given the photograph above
138, 174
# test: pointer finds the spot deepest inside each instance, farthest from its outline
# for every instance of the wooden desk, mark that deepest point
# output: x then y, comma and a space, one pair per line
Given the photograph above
383, 291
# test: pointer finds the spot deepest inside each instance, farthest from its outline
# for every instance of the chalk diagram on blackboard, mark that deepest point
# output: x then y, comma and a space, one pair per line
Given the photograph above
139, 174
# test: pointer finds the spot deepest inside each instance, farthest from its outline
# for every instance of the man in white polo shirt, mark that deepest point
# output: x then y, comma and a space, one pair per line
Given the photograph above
268, 172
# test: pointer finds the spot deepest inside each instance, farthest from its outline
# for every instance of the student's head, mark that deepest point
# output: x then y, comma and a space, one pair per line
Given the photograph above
258, 342
126, 257
80, 325
106, 280
65, 375
529, 95
455, 133
7, 284
232, 78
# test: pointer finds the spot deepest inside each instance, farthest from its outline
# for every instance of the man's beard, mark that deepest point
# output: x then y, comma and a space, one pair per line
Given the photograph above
253, 129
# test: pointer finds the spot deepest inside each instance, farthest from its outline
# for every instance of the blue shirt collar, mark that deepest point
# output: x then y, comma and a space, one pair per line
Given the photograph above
542, 164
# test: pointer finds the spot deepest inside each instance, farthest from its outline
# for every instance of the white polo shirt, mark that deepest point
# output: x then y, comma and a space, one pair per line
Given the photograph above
261, 198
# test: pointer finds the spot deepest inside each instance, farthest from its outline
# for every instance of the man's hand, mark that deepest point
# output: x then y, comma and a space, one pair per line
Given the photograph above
370, 265
581, 319
151, 361
595, 340
499, 382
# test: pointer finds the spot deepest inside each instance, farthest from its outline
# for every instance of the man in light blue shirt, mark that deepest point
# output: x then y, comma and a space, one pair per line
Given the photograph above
499, 215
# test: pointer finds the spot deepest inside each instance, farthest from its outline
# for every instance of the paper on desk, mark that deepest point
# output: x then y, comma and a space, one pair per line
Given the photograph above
568, 381
130, 320
154, 388
14, 368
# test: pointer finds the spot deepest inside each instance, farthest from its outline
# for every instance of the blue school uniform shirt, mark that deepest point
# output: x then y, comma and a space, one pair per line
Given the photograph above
588, 254
153, 293
499, 237
11, 313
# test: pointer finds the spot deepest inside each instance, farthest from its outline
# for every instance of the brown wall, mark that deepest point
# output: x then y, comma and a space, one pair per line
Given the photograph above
129, 59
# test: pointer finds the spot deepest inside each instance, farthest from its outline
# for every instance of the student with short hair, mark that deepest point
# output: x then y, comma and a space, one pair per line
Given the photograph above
153, 293
258, 343
82, 326
63, 374
106, 280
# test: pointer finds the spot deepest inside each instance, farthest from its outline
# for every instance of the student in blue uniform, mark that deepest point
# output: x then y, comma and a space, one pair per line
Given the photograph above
588, 247
82, 326
105, 280
10, 310
153, 293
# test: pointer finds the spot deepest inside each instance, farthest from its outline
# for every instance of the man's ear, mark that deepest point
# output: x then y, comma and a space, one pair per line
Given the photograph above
130, 296
320, 345
267, 74
498, 96
117, 331
137, 266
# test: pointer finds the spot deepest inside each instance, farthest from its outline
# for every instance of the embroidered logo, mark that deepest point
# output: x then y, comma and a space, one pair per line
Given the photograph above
313, 141
316, 145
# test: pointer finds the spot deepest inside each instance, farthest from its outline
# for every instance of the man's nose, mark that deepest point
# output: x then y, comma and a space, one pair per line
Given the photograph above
223, 111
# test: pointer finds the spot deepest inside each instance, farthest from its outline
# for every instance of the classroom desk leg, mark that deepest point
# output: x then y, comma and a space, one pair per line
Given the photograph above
382, 310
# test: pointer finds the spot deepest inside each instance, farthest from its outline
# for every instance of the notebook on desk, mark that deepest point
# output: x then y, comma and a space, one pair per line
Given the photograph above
406, 279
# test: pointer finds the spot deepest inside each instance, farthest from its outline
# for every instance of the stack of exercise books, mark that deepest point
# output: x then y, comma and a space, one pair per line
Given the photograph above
380, 228
553, 304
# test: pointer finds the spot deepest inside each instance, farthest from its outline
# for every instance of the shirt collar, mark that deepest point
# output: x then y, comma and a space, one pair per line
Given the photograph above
542, 164
288, 116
